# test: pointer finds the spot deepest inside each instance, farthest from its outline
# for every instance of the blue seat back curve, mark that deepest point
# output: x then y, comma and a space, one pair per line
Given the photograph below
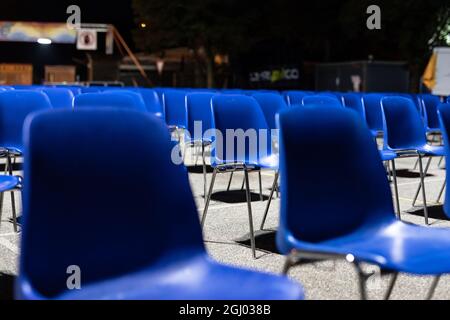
243, 115
117, 99
199, 109
321, 100
59, 97
68, 151
430, 105
271, 104
403, 125
338, 187
444, 118
372, 107
174, 102
15, 106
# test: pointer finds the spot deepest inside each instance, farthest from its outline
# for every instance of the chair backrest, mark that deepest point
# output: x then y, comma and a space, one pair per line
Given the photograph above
430, 104
295, 97
174, 102
199, 109
59, 97
354, 102
15, 106
152, 102
444, 117
103, 232
91, 89
402, 123
246, 137
271, 104
321, 100
338, 187
117, 99
372, 107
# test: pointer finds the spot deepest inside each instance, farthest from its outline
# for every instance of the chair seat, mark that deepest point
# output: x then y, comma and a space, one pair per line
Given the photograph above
196, 278
426, 150
437, 151
395, 246
387, 155
270, 162
8, 183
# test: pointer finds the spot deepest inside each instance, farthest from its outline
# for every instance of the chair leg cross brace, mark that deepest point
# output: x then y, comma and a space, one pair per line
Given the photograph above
274, 188
422, 186
249, 205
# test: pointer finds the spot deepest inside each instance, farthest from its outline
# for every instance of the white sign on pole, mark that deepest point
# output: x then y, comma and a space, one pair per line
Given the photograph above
87, 39
442, 87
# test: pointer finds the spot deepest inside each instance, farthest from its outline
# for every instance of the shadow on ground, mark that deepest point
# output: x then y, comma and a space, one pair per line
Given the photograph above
434, 212
199, 169
264, 240
236, 196
6, 287
405, 173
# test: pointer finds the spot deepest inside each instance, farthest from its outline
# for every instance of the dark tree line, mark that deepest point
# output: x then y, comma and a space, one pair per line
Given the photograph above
333, 30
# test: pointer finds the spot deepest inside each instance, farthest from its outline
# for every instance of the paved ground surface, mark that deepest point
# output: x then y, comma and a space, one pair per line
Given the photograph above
227, 223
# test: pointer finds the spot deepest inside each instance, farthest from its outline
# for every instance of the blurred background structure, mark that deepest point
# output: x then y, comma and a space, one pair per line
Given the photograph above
282, 44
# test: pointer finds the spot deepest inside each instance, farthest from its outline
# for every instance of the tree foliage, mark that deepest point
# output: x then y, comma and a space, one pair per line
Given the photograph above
333, 30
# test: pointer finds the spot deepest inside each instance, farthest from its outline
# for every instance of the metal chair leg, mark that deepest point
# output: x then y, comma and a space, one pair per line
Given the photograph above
433, 288
260, 186
422, 181
14, 215
1, 207
420, 185
362, 281
243, 184
204, 173
208, 200
197, 151
231, 179
440, 162
391, 286
275, 181
287, 265
397, 200
441, 193
250, 215
416, 165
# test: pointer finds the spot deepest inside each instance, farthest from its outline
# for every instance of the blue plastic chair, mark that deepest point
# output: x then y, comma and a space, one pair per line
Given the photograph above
15, 106
152, 102
404, 133
240, 113
271, 104
430, 104
148, 248
295, 97
174, 102
374, 117
314, 100
59, 97
354, 102
117, 99
199, 110
337, 201
444, 118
